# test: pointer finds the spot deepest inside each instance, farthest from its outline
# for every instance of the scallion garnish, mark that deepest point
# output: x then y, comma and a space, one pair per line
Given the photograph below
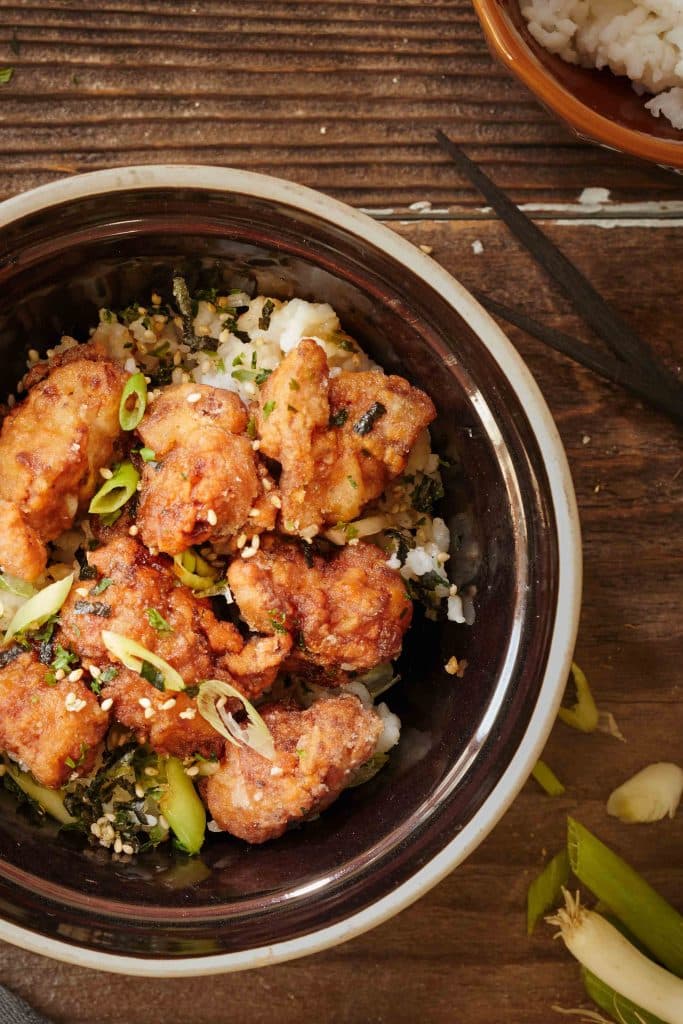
547, 779
135, 389
546, 889
133, 655
194, 571
38, 609
158, 622
211, 701
583, 715
115, 492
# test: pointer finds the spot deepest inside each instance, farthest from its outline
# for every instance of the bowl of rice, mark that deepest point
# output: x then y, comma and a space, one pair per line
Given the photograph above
209, 280
612, 71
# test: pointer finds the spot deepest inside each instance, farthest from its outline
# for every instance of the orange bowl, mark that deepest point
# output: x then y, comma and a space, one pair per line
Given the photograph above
599, 106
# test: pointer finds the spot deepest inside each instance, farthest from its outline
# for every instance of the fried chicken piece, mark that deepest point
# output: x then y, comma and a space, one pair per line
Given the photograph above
196, 643
22, 552
52, 447
205, 480
178, 730
46, 727
339, 440
316, 752
349, 611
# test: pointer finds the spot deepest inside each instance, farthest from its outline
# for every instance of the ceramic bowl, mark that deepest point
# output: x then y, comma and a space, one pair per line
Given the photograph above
467, 744
599, 106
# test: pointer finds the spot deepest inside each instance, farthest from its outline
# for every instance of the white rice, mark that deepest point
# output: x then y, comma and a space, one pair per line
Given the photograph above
642, 39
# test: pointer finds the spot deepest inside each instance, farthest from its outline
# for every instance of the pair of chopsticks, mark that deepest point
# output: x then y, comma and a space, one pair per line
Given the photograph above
629, 363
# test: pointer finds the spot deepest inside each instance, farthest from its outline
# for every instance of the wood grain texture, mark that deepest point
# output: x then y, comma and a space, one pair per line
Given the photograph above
461, 954
132, 82
252, 85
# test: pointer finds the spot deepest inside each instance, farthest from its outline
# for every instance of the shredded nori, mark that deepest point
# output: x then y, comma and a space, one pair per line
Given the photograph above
86, 572
426, 494
369, 418
99, 608
338, 418
10, 653
266, 313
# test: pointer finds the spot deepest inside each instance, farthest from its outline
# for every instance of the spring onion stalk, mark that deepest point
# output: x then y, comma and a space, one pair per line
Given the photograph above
133, 655
38, 609
115, 492
649, 795
51, 800
182, 808
604, 951
547, 779
211, 701
646, 914
366, 527
584, 714
621, 1009
136, 388
546, 889
194, 571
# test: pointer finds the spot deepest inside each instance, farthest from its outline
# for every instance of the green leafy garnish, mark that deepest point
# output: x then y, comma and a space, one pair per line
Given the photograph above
266, 313
6, 75
268, 408
158, 622
101, 586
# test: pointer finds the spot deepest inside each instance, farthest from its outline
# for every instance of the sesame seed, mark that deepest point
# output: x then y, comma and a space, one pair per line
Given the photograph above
149, 712
145, 702
94, 671
256, 445
82, 591
254, 513
276, 501
193, 397
241, 540
177, 358
276, 770
189, 713
73, 703
168, 704
256, 542
194, 770
267, 484
258, 796
59, 674
106, 474
212, 517
127, 849
107, 703
133, 531
74, 676
213, 826
139, 791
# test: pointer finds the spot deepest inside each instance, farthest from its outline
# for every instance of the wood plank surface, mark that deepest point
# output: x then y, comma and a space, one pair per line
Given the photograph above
343, 97
252, 86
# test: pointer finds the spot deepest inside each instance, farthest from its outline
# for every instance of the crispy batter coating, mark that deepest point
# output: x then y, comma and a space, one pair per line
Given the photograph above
53, 445
339, 440
22, 552
164, 729
316, 752
205, 480
349, 611
37, 727
197, 644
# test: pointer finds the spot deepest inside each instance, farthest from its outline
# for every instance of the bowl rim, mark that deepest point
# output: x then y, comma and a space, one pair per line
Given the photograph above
588, 123
546, 436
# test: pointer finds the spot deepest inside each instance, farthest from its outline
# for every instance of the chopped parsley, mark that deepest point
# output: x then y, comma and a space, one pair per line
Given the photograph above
369, 418
268, 408
251, 428
101, 586
158, 622
258, 377
109, 673
277, 620
266, 313
69, 761
147, 455
352, 482
63, 659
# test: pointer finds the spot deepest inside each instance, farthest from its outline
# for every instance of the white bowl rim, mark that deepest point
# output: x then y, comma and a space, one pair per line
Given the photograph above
567, 611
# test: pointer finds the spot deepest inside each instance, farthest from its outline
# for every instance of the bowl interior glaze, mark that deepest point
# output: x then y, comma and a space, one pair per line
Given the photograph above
57, 267
599, 106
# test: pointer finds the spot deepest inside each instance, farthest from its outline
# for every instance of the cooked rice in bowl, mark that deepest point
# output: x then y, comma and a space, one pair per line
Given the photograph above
641, 39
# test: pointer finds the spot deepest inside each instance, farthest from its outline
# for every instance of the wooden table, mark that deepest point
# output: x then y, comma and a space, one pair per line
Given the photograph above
344, 97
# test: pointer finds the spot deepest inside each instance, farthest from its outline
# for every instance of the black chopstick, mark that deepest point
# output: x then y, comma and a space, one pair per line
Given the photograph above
608, 324
604, 364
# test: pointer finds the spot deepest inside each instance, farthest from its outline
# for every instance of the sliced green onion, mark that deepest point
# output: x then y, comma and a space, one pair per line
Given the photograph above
604, 951
194, 571
16, 586
115, 492
584, 714
182, 808
547, 779
256, 735
646, 914
51, 800
135, 387
649, 795
133, 655
40, 608
148, 455
546, 889
621, 1008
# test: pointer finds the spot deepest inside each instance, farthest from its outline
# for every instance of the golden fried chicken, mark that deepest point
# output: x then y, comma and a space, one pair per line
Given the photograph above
22, 552
53, 730
204, 481
52, 447
316, 752
145, 602
168, 722
349, 611
339, 440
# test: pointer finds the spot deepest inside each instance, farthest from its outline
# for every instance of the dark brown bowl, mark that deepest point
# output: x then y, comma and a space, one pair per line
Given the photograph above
599, 106
467, 745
